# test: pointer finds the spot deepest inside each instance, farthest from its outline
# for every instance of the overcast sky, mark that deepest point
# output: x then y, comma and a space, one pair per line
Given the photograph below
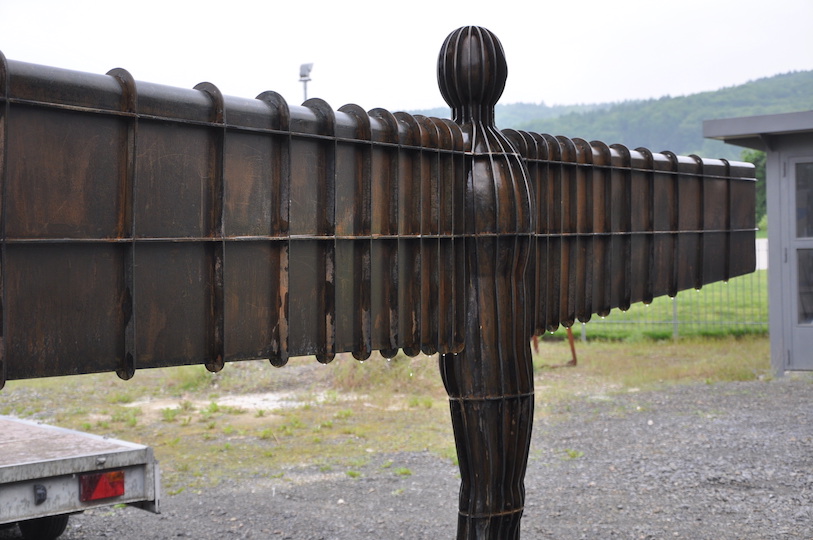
383, 54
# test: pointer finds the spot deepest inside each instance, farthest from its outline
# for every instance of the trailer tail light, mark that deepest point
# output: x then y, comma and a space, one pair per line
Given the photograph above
95, 486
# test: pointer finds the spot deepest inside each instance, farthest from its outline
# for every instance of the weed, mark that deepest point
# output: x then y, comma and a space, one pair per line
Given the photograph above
126, 415
187, 406
232, 410
185, 379
360, 461
420, 401
121, 398
213, 408
402, 471
573, 454
353, 474
169, 415
397, 375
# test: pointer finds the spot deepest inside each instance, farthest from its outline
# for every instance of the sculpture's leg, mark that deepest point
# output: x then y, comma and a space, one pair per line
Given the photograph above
490, 387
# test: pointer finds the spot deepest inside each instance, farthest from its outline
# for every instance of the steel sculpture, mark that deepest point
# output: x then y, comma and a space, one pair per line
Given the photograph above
147, 226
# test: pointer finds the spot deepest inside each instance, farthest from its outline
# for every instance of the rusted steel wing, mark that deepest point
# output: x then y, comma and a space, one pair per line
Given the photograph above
149, 226
616, 226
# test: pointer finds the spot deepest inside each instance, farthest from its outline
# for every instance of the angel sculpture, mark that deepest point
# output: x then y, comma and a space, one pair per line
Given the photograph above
147, 226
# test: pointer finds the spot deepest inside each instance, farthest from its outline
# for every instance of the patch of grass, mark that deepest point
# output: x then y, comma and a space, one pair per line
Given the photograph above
232, 410
212, 408
569, 453
613, 367
121, 398
185, 379
126, 415
170, 415
420, 401
187, 406
401, 375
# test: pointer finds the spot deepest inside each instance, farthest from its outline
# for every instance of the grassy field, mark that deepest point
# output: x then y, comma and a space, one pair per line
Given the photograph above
205, 427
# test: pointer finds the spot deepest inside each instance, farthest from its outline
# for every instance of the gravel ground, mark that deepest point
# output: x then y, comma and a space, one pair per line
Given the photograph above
723, 461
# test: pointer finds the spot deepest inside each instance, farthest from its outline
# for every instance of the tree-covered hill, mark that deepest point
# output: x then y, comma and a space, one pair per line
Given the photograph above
676, 123
516, 114
668, 123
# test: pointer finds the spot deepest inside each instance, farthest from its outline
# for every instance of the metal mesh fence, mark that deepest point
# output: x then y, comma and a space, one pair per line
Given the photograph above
736, 307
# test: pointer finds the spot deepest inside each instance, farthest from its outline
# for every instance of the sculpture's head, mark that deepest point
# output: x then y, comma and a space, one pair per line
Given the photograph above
471, 73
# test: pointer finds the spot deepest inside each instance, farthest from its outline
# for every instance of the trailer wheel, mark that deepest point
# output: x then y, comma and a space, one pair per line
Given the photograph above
45, 528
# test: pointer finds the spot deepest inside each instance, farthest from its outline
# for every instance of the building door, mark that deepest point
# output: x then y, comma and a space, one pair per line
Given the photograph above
801, 264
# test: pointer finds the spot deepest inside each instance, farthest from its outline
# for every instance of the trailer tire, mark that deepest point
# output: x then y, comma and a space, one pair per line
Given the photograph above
45, 528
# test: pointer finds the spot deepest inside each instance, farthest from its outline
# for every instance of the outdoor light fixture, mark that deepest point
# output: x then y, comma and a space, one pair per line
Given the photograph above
304, 77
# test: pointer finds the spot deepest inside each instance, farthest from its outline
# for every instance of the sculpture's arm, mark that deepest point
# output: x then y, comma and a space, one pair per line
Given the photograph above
147, 226
616, 226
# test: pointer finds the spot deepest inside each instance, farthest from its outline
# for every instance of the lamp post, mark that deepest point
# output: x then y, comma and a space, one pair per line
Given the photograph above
304, 77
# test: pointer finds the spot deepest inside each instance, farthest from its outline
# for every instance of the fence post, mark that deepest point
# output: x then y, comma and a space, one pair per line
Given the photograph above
675, 322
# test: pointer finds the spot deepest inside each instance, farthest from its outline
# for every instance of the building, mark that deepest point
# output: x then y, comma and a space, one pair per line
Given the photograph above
787, 140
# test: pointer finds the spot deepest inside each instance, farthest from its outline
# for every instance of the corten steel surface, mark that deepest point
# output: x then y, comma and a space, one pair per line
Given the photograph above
148, 226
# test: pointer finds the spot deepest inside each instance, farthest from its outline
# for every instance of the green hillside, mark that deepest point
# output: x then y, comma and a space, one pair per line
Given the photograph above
668, 123
676, 123
515, 114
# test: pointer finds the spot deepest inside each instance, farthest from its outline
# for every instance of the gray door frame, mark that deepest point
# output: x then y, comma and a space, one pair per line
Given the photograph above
799, 333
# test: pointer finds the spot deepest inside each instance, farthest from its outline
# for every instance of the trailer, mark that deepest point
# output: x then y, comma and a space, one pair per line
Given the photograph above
48, 473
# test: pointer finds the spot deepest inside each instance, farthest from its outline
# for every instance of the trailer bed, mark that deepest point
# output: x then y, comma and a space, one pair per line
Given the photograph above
47, 470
